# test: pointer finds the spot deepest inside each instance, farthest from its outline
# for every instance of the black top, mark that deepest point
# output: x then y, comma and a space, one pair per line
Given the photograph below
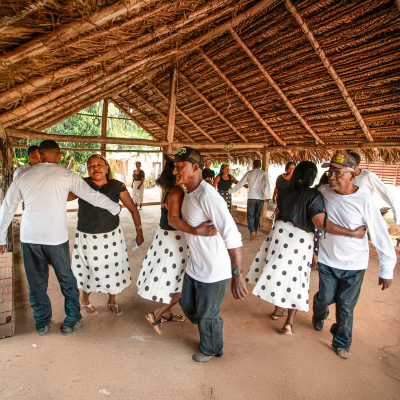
224, 184
282, 183
138, 176
164, 213
93, 219
208, 173
299, 206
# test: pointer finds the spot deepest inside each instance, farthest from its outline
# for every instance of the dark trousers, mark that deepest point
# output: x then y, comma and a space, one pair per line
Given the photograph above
254, 208
36, 259
201, 303
343, 288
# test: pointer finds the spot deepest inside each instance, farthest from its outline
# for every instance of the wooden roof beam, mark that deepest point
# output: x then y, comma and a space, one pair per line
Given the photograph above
199, 94
67, 32
243, 98
157, 111
331, 70
200, 129
271, 81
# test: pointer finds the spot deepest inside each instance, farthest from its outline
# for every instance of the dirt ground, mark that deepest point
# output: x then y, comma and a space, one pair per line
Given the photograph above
123, 359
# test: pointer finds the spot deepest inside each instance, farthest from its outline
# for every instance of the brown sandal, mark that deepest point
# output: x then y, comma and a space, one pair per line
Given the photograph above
90, 307
173, 318
118, 312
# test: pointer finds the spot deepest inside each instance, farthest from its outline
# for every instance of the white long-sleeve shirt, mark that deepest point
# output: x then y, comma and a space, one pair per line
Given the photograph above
351, 254
20, 169
258, 181
369, 182
44, 189
209, 257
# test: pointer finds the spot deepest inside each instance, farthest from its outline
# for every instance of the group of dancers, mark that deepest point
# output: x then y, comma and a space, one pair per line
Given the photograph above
196, 250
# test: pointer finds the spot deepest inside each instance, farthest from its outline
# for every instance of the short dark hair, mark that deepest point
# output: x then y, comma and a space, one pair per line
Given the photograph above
32, 149
49, 145
257, 163
167, 178
138, 162
357, 157
304, 175
288, 165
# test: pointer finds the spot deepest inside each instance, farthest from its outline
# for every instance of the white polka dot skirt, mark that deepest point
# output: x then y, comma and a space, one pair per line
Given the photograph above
161, 275
100, 262
281, 269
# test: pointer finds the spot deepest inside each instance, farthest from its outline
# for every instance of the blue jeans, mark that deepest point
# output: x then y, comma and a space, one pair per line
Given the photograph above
254, 208
36, 259
201, 303
343, 288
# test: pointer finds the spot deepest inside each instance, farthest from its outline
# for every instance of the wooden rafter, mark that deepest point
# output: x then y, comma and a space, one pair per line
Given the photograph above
157, 111
25, 146
243, 98
271, 81
173, 89
195, 90
199, 128
331, 70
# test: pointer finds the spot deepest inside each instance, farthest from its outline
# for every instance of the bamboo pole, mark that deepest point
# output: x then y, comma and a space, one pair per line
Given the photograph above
173, 87
331, 70
243, 98
25, 146
16, 93
156, 110
199, 128
271, 81
67, 32
104, 125
199, 94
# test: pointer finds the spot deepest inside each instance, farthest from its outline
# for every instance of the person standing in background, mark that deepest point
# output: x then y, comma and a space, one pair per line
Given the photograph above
259, 191
138, 185
223, 182
34, 158
369, 182
208, 174
283, 180
44, 188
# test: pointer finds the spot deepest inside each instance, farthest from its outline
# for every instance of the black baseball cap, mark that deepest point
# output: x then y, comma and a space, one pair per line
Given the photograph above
341, 160
190, 155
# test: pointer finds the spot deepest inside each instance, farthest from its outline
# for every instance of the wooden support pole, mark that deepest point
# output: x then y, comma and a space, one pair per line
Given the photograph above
271, 81
331, 70
265, 167
25, 146
173, 87
104, 125
243, 98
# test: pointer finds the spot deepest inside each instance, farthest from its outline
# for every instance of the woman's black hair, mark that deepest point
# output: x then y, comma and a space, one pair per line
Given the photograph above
288, 165
222, 167
167, 178
304, 175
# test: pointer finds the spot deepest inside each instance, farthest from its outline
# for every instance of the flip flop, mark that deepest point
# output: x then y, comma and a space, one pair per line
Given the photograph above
173, 318
156, 324
275, 317
118, 312
283, 331
95, 313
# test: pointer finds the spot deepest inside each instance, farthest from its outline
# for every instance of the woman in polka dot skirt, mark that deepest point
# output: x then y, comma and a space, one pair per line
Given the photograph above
281, 269
99, 257
160, 278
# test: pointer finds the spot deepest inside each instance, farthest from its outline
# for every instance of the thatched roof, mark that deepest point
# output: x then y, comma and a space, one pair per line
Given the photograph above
285, 73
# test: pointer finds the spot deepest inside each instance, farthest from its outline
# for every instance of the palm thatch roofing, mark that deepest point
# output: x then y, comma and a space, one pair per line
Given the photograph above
301, 76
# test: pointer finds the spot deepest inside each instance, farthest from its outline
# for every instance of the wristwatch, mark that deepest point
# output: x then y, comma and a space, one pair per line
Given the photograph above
139, 227
236, 271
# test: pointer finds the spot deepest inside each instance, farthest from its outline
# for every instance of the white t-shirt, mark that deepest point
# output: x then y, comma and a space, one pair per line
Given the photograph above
209, 257
20, 169
369, 182
351, 254
258, 181
44, 189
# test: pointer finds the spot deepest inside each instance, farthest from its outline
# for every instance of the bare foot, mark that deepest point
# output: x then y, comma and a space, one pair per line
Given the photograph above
252, 235
88, 309
156, 324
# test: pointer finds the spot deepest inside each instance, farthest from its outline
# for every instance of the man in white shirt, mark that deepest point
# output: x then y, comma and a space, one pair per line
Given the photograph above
213, 259
343, 260
259, 190
34, 158
369, 182
44, 189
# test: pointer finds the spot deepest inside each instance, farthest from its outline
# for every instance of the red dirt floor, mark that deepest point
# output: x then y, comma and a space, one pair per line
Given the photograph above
122, 358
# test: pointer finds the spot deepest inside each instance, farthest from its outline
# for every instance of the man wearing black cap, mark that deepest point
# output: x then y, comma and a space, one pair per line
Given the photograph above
213, 260
34, 158
343, 260
44, 189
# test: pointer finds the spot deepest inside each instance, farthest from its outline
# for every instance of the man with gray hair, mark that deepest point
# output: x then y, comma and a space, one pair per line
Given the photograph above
343, 260
44, 188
